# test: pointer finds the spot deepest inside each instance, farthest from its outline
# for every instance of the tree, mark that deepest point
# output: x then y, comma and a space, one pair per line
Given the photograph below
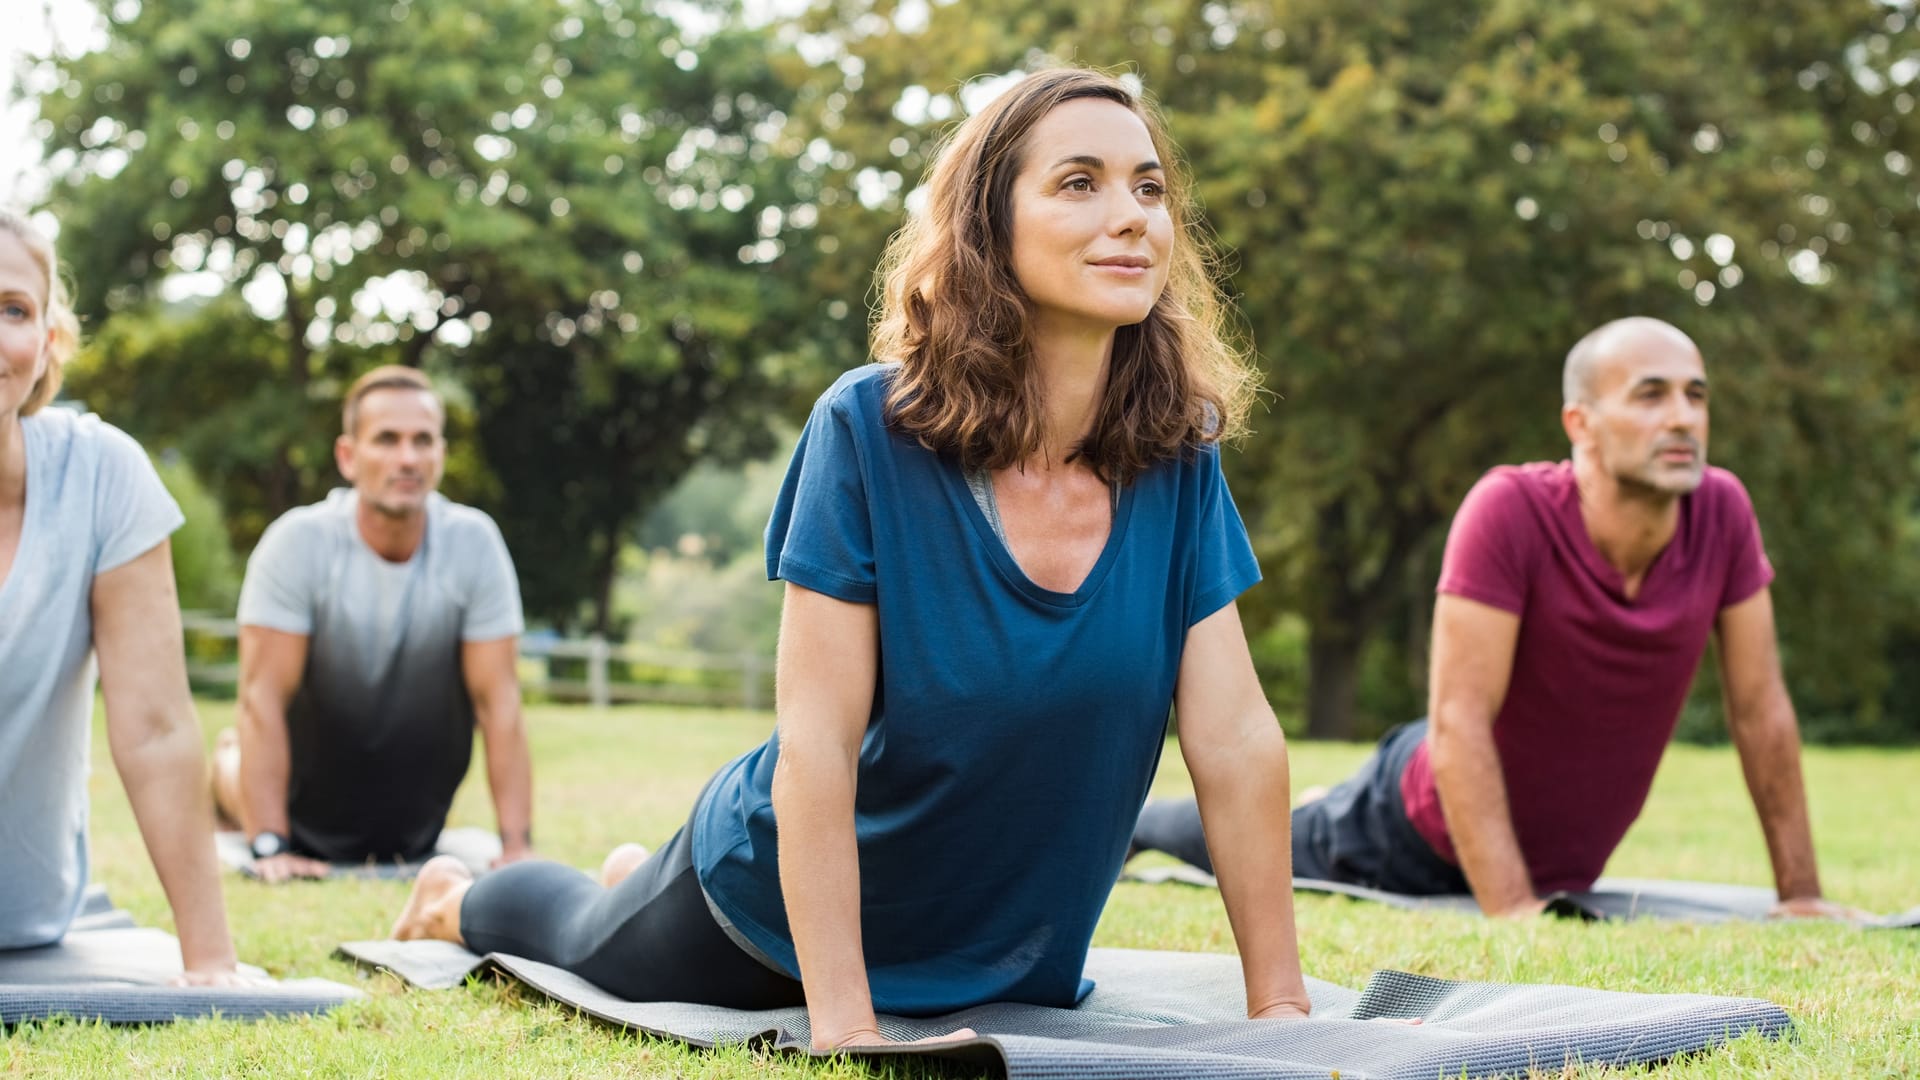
1427, 204
593, 189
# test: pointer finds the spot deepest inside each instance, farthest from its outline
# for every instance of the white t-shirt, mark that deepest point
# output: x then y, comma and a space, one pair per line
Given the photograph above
94, 503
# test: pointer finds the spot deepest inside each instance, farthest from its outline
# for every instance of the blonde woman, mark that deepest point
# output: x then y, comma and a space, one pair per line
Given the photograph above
85, 571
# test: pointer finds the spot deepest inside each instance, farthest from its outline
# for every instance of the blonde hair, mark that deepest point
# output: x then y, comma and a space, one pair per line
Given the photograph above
56, 308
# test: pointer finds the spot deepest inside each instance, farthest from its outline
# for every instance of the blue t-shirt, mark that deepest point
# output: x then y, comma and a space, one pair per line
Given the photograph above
1014, 729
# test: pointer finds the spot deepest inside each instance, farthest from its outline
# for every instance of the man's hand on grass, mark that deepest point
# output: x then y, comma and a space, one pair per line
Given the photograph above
275, 869
1814, 907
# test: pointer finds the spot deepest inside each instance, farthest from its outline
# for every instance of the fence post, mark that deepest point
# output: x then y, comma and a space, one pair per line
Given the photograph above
598, 690
750, 679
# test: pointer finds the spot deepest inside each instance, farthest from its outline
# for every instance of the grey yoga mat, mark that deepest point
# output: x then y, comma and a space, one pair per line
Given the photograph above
1166, 1014
106, 968
1609, 899
477, 848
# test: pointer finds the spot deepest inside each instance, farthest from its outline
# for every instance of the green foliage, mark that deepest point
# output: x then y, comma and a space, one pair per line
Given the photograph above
578, 212
1427, 204
204, 567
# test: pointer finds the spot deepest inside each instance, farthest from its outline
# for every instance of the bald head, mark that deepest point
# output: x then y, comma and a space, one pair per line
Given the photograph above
1612, 341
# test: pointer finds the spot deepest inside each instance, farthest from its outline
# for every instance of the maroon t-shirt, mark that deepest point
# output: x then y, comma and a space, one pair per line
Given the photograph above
1598, 680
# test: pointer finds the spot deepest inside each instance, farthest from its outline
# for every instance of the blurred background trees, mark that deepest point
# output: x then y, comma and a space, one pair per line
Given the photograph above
635, 243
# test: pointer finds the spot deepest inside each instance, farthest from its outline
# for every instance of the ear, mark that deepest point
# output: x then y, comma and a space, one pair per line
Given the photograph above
1574, 421
343, 457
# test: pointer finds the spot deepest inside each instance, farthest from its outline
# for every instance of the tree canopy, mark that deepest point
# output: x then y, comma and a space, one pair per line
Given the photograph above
577, 211
1428, 204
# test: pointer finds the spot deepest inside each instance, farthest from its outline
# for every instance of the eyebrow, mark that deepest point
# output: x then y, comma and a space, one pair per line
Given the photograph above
1662, 380
1092, 162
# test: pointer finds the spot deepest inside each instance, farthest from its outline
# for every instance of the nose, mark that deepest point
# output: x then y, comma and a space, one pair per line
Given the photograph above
1125, 215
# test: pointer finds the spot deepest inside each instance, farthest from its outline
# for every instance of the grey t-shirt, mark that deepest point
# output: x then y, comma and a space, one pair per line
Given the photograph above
381, 729
94, 503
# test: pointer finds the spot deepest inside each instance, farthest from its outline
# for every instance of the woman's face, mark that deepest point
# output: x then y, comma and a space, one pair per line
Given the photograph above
24, 331
1091, 228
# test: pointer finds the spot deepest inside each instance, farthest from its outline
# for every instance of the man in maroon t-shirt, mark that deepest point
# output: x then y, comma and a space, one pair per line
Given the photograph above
1575, 602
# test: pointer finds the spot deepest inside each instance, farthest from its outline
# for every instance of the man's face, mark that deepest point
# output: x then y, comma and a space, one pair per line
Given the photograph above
394, 456
1646, 422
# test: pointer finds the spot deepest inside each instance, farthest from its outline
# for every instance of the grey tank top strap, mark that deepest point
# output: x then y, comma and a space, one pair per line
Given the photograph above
980, 482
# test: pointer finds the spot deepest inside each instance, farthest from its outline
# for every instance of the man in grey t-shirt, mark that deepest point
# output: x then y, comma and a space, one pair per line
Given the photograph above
378, 628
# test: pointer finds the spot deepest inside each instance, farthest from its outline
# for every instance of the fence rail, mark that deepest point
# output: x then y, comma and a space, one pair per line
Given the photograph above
591, 669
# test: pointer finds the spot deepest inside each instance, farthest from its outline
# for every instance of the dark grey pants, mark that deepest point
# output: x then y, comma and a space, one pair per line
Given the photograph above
1358, 833
649, 938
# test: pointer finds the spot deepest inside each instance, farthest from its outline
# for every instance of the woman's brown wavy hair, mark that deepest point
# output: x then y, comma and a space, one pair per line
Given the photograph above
959, 325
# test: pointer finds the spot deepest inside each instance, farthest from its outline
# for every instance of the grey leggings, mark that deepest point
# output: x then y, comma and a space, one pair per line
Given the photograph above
649, 938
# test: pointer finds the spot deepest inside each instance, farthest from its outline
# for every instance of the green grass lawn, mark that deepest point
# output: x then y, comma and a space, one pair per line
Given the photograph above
630, 774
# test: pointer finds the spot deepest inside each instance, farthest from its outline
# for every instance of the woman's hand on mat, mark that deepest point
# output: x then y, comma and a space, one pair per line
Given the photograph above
275, 869
225, 976
1282, 1010
1814, 907
872, 1037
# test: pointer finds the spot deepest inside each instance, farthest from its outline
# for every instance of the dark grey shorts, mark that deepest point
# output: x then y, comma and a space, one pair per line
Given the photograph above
1358, 833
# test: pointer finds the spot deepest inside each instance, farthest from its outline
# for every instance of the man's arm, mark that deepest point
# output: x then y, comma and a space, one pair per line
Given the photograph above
155, 739
1473, 646
1238, 758
490, 669
272, 663
1761, 719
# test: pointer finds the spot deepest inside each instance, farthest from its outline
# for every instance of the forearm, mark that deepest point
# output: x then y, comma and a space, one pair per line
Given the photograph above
509, 774
1473, 795
161, 763
1769, 745
1243, 795
265, 763
813, 789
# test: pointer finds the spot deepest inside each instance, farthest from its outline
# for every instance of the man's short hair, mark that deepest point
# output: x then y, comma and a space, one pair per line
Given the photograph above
385, 377
1576, 379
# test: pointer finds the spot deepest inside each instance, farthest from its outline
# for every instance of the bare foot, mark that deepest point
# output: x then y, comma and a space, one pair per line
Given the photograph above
620, 862
224, 779
1312, 795
433, 911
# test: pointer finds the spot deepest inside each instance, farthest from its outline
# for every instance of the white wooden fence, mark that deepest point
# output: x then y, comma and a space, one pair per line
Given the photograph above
607, 672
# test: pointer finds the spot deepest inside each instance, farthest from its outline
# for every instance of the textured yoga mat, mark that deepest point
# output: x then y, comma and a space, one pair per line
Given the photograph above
1609, 899
477, 848
1165, 1014
106, 968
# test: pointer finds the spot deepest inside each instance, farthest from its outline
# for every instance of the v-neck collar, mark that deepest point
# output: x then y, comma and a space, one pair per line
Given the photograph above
36, 483
1669, 560
1002, 555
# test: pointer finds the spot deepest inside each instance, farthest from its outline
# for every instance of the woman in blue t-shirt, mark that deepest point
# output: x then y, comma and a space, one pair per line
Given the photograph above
1008, 552
85, 572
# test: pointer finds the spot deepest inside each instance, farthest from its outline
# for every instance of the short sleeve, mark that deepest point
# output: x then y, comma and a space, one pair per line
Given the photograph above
1748, 569
1223, 553
277, 592
1485, 559
820, 536
132, 510
493, 591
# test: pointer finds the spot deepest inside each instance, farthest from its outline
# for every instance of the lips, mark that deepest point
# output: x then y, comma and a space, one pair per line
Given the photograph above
1131, 262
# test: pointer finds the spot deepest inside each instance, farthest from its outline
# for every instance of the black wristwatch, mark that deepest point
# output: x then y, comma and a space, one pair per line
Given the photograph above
265, 845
